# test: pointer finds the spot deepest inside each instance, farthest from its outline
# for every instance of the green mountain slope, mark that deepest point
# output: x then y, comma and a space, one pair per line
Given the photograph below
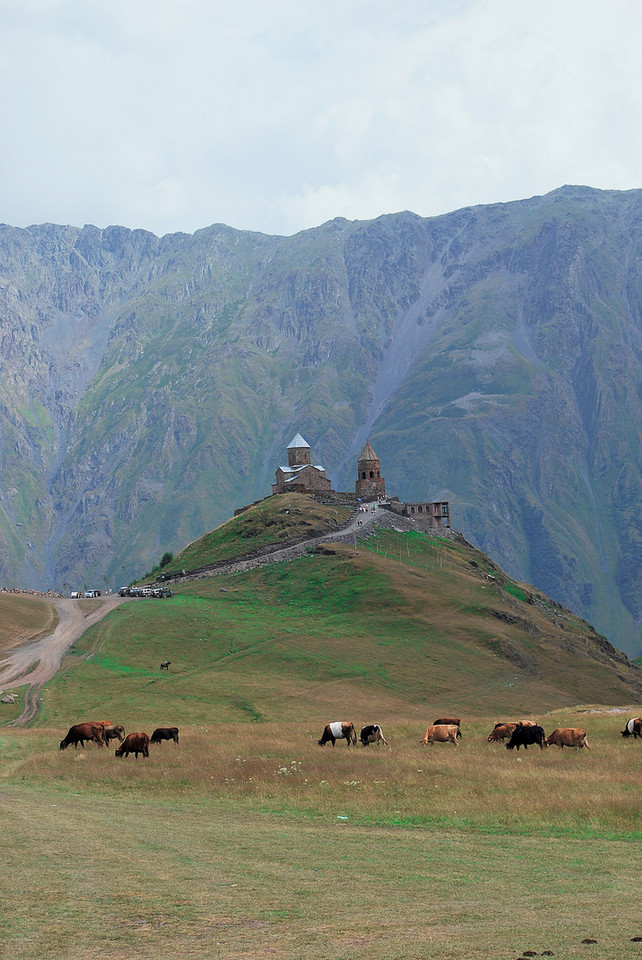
150, 386
406, 625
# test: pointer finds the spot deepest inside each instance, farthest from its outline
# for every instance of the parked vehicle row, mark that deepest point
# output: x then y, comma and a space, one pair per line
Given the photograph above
158, 592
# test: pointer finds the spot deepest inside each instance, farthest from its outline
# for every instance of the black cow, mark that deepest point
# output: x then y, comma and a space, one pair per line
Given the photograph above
522, 736
164, 733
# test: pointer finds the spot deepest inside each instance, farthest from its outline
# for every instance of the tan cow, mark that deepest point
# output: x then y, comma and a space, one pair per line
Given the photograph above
441, 733
456, 721
501, 732
567, 737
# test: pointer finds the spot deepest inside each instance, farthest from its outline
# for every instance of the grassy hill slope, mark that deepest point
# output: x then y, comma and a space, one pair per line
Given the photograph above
271, 522
406, 624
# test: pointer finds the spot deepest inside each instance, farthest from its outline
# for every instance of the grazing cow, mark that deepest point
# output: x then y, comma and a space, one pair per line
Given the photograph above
134, 743
524, 734
633, 728
112, 731
81, 733
338, 731
164, 733
441, 733
372, 733
567, 737
528, 723
165, 665
447, 721
501, 731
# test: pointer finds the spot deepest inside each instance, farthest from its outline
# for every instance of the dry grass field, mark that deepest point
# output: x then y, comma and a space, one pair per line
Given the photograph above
249, 840
22, 618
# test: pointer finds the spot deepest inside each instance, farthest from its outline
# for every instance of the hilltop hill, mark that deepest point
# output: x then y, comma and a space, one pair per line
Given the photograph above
403, 623
492, 356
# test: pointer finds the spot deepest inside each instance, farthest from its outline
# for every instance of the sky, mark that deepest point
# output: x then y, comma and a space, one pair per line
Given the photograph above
171, 115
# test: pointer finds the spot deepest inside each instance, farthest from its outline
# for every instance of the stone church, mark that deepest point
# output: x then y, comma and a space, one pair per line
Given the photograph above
301, 475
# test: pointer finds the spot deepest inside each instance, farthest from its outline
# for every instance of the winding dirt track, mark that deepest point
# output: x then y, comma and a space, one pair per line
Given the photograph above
37, 662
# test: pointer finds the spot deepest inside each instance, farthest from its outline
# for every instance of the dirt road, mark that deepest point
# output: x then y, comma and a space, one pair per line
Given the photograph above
36, 662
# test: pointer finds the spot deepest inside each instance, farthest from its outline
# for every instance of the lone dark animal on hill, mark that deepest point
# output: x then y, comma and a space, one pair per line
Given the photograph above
134, 743
82, 733
523, 736
372, 733
164, 733
165, 665
567, 737
441, 733
501, 731
339, 730
448, 721
633, 728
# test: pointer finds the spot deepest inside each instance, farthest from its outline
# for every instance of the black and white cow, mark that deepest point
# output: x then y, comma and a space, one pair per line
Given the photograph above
339, 730
372, 733
633, 728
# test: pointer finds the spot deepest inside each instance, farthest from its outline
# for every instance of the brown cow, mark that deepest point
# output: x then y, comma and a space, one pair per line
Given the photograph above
567, 737
134, 743
501, 731
164, 733
441, 733
81, 733
633, 728
112, 731
339, 730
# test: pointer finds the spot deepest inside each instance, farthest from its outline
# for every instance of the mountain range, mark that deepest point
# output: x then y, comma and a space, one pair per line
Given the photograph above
492, 356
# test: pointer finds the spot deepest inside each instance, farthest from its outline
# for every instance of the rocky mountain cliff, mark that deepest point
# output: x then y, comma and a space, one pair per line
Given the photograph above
150, 385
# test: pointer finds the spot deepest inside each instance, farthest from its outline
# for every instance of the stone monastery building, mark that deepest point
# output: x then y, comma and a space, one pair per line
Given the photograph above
302, 476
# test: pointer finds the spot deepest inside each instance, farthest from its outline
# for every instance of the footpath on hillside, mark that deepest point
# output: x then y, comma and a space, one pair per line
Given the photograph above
360, 527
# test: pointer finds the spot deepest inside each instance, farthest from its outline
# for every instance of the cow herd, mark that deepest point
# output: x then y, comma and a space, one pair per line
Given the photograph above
101, 732
519, 733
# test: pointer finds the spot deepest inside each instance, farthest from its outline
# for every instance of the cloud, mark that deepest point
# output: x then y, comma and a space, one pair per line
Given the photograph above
274, 117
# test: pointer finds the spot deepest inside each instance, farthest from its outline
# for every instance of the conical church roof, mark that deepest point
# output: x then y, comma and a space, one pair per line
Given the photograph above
368, 453
297, 441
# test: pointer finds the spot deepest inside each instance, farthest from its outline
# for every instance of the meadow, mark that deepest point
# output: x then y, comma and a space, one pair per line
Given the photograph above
249, 840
